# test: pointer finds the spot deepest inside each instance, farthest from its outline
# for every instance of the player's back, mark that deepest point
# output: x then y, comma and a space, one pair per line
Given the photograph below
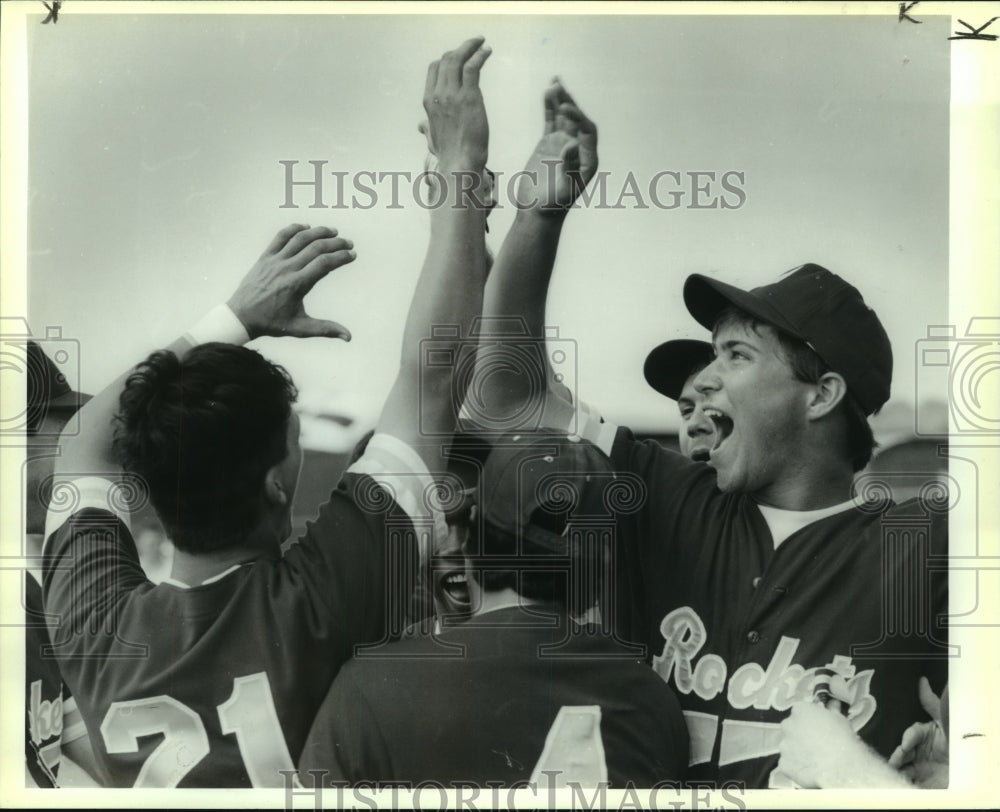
506, 702
215, 684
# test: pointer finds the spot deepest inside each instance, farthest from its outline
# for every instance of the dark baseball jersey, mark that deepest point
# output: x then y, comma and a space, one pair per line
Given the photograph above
52, 718
216, 685
739, 628
525, 700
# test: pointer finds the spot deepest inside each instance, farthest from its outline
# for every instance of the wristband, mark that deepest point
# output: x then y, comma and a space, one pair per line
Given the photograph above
219, 324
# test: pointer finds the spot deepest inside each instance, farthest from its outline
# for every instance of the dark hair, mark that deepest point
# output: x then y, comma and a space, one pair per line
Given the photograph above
808, 367
202, 431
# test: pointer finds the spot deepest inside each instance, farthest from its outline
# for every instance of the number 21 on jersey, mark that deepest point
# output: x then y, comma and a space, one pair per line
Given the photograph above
249, 714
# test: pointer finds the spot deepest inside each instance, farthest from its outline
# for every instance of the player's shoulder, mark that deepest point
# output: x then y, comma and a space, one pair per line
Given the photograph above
648, 456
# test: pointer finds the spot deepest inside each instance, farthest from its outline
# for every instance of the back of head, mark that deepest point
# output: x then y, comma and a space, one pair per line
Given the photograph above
202, 431
545, 510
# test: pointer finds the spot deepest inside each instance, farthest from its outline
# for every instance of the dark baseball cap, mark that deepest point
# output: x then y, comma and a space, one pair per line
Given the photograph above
669, 365
48, 390
534, 483
818, 307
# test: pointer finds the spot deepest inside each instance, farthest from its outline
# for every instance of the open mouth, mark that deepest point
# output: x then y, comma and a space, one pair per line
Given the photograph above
701, 454
452, 589
723, 426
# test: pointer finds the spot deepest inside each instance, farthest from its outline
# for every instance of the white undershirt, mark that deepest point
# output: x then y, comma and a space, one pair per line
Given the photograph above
782, 523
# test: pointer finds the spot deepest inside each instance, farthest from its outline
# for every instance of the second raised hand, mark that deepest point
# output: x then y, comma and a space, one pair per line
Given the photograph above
268, 301
565, 159
456, 115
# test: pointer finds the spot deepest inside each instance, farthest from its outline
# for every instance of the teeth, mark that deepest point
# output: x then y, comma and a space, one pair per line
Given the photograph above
455, 578
715, 414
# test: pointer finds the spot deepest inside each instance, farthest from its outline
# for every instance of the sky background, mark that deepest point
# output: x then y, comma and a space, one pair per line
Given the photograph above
155, 182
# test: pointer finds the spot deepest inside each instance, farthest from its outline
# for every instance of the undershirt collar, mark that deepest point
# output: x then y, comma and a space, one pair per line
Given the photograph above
783, 523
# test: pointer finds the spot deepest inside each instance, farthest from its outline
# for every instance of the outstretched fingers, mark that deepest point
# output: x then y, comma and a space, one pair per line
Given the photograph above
305, 238
282, 237
474, 64
452, 64
585, 131
323, 264
306, 326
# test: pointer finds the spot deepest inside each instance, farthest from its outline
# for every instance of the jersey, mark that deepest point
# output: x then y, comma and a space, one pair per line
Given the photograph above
52, 718
739, 629
216, 685
500, 698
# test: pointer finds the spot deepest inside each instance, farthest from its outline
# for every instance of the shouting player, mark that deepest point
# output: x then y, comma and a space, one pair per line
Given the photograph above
518, 692
213, 678
750, 577
671, 369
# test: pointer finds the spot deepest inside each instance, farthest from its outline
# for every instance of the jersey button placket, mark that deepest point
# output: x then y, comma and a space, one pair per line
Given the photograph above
753, 636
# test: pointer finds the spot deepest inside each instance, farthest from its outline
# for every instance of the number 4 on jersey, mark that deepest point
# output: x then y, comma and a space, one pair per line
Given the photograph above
574, 750
249, 714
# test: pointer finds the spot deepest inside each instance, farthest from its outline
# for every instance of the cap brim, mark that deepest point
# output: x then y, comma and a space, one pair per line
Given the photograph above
68, 400
669, 365
706, 298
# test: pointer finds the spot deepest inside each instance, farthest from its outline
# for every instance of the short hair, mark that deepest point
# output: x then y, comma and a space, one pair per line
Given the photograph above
808, 367
202, 431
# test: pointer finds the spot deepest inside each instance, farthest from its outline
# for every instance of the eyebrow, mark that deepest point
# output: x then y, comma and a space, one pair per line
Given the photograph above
732, 343
681, 402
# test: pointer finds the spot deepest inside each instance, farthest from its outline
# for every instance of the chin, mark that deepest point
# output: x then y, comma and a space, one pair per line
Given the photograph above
727, 481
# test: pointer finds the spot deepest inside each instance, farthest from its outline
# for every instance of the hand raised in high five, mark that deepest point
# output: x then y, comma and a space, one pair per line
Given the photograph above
458, 130
269, 299
565, 159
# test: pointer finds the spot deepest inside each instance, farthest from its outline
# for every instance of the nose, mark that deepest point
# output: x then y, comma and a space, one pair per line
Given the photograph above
707, 380
699, 424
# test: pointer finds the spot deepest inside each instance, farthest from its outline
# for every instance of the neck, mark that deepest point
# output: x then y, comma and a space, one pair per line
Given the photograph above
194, 568
817, 482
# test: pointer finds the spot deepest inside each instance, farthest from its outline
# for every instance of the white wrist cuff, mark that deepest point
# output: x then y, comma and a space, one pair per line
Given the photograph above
219, 324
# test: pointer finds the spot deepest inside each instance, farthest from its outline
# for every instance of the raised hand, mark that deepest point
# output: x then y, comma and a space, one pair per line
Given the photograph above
565, 159
458, 131
269, 299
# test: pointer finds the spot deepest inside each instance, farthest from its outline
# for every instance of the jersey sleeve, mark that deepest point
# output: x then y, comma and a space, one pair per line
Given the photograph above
359, 560
345, 743
90, 566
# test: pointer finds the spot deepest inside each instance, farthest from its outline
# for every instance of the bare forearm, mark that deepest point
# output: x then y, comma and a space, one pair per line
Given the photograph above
89, 451
519, 282
449, 292
517, 289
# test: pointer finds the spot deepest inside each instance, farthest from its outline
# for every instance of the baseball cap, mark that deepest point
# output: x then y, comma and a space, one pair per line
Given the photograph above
533, 483
669, 365
821, 309
48, 389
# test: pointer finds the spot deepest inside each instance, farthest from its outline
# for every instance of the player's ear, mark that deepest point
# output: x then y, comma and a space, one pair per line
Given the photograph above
274, 490
825, 395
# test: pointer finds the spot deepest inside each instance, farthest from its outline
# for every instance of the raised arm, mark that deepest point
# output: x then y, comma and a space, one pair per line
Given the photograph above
559, 169
420, 409
268, 302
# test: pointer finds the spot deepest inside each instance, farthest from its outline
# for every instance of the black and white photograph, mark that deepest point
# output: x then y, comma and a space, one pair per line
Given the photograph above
517, 405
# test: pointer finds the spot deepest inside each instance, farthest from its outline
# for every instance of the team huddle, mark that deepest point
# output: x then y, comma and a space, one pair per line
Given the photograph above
485, 599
